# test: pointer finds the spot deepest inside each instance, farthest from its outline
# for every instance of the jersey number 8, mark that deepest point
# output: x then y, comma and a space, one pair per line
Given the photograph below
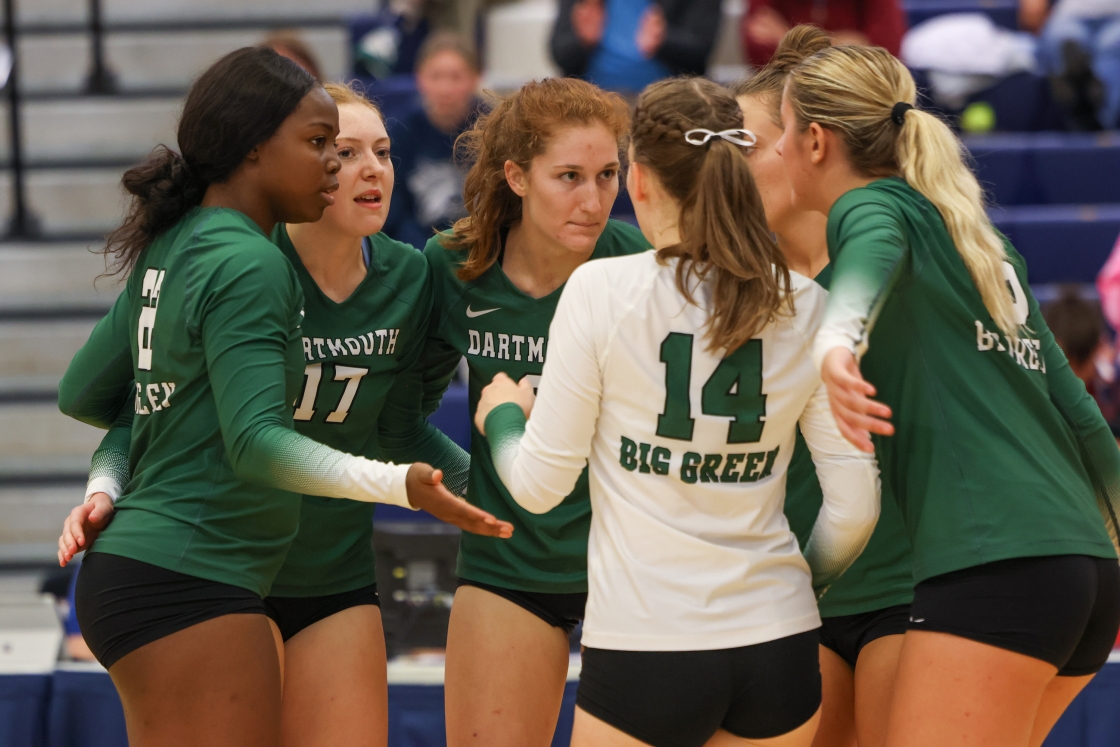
734, 390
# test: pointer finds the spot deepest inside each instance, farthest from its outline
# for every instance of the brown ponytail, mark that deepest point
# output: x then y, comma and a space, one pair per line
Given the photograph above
798, 43
517, 129
724, 239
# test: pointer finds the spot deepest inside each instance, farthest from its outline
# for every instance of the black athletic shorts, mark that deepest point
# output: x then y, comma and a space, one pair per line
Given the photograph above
562, 611
293, 614
681, 698
123, 604
846, 635
1063, 609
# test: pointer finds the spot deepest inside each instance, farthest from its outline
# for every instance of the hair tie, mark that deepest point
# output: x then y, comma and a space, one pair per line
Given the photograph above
898, 112
744, 138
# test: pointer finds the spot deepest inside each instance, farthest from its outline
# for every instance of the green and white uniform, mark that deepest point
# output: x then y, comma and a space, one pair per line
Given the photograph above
881, 576
501, 329
205, 345
998, 450
362, 395
688, 450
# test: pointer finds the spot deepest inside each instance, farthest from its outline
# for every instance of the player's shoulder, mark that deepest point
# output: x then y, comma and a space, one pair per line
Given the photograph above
619, 239
618, 273
444, 261
227, 242
397, 256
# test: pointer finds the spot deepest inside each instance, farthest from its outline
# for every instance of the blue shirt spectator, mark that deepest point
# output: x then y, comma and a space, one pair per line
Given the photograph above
624, 45
428, 194
617, 64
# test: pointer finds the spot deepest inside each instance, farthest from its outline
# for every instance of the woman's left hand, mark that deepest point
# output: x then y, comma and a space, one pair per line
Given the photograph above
850, 395
499, 391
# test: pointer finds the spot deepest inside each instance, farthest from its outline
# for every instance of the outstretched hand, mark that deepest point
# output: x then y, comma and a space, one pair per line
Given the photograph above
83, 525
426, 491
849, 395
500, 391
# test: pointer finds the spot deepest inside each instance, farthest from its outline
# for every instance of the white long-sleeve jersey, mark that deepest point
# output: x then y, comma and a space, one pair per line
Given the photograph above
689, 547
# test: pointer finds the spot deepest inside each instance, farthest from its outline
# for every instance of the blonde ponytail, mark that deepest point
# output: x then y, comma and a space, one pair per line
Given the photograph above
853, 91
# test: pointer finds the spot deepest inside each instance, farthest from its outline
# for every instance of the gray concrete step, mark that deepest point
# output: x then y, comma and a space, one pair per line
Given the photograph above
71, 201
38, 439
45, 276
95, 127
36, 353
31, 520
56, 11
158, 60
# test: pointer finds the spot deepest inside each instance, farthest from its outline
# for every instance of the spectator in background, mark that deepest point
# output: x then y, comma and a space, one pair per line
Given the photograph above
429, 191
1079, 46
624, 45
1079, 330
289, 43
877, 22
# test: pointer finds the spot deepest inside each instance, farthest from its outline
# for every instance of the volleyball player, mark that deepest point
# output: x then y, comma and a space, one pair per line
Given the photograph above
542, 184
680, 378
866, 612
208, 326
1001, 463
367, 301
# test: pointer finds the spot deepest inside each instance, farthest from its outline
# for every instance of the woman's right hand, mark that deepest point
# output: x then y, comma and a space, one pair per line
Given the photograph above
849, 395
425, 490
83, 525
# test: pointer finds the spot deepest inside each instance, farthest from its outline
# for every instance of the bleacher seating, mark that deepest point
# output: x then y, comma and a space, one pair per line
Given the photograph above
1002, 12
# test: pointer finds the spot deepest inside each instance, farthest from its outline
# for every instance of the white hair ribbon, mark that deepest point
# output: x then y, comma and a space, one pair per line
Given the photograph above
745, 138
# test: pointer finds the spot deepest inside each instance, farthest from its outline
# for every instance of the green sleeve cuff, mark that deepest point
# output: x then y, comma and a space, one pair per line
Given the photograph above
505, 423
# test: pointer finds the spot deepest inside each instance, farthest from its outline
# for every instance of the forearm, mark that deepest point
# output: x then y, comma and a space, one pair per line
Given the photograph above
1099, 452
869, 262
99, 380
850, 483
110, 468
534, 485
281, 458
429, 445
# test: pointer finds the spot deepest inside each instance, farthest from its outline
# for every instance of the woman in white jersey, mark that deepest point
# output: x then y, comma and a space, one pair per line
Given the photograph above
679, 376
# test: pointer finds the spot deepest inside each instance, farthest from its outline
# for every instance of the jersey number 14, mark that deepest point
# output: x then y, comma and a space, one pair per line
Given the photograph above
734, 390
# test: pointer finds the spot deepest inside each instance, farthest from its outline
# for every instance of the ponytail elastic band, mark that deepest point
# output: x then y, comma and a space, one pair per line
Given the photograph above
898, 113
745, 138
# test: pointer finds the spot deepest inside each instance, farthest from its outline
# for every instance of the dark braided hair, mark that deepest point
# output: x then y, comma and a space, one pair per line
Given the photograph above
724, 238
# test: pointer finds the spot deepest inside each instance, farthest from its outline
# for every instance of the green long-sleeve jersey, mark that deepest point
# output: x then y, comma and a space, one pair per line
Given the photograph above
362, 394
501, 329
881, 576
998, 452
205, 345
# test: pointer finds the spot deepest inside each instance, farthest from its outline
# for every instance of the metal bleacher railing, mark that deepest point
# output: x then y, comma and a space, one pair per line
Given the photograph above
95, 85
101, 82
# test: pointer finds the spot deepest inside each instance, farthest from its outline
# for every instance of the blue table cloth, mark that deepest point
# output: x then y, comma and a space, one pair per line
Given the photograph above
81, 709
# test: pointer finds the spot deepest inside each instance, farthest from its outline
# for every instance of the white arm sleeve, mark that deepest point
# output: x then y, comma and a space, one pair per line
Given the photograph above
541, 468
850, 482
